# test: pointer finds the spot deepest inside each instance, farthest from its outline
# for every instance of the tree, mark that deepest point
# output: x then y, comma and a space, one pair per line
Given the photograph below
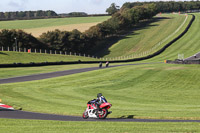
7, 39
112, 9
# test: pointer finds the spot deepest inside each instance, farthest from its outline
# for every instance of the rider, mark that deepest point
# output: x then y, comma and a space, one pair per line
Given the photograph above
100, 99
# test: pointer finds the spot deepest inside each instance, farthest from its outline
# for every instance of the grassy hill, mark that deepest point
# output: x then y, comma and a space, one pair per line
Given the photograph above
187, 45
38, 26
147, 36
142, 40
161, 91
145, 91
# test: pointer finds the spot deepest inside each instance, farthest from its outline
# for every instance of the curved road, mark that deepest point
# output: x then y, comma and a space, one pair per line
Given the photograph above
40, 116
16, 114
56, 74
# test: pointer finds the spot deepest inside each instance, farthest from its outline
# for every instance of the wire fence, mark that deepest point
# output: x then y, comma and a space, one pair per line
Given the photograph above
44, 51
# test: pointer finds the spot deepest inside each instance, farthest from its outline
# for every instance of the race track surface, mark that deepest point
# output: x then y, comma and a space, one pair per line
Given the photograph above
45, 75
40, 116
194, 57
56, 74
16, 114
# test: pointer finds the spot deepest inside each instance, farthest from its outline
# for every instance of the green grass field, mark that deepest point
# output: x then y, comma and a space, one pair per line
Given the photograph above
11, 57
21, 57
33, 126
145, 37
145, 91
160, 91
40, 23
156, 27
187, 45
38, 26
21, 71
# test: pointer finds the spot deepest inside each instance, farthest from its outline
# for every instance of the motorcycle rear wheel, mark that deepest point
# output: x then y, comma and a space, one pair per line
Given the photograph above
85, 115
103, 114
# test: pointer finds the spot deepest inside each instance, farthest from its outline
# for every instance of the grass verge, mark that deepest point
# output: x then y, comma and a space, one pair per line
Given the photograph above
32, 126
21, 57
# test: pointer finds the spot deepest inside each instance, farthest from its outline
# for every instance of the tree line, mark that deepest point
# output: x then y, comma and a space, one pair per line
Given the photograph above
170, 6
76, 41
129, 15
27, 14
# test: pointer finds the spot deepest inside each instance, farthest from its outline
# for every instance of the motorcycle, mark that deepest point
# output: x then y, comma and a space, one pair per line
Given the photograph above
91, 110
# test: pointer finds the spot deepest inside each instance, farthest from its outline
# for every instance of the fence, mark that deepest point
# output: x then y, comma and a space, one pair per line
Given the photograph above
56, 52
44, 51
183, 61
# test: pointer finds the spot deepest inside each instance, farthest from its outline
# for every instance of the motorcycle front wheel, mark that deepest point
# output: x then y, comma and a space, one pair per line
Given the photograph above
103, 114
85, 115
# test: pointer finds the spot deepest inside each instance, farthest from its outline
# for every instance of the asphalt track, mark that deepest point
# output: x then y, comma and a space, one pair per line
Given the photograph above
40, 116
57, 74
17, 114
194, 57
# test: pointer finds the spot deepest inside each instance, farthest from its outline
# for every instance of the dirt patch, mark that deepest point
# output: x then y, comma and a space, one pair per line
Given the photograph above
175, 68
81, 27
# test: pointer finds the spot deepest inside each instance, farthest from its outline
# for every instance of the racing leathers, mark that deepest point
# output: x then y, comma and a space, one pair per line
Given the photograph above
99, 101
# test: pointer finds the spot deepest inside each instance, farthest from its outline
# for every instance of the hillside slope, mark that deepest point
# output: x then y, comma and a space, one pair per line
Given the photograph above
188, 45
149, 36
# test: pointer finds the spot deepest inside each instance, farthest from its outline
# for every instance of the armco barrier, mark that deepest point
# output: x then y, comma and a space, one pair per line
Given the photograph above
183, 62
90, 62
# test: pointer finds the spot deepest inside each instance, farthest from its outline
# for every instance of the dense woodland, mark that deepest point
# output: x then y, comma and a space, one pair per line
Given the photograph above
129, 15
27, 15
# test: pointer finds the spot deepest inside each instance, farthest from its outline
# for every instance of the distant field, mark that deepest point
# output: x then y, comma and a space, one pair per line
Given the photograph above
38, 26
81, 27
146, 36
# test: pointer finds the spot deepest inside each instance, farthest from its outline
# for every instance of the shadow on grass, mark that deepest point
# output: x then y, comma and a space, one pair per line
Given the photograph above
2, 109
126, 117
104, 45
3, 53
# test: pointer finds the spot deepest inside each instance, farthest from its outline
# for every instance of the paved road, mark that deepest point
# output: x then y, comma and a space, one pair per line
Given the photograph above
56, 74
40, 116
45, 75
194, 57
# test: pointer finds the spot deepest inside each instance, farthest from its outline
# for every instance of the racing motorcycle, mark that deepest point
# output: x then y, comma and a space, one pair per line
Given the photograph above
92, 112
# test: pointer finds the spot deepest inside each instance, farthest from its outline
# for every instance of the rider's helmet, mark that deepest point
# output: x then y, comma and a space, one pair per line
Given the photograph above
99, 95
